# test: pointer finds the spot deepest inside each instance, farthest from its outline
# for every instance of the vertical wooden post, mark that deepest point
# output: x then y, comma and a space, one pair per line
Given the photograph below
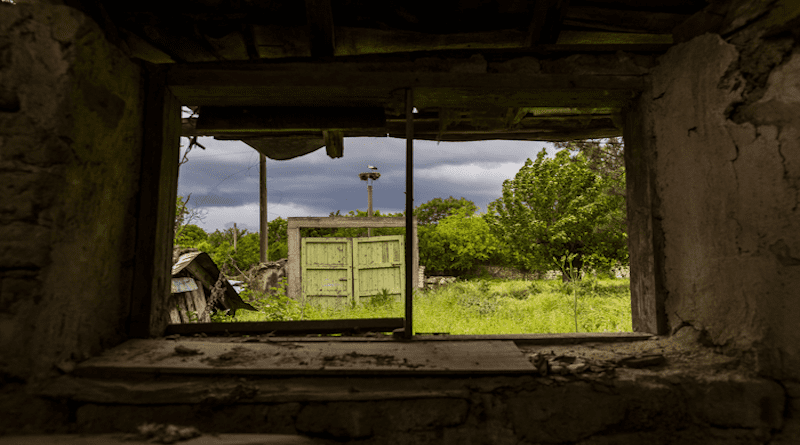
235, 237
407, 329
158, 188
293, 270
369, 207
645, 235
262, 201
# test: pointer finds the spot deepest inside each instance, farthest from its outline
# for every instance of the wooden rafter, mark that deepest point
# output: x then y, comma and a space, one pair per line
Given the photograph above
546, 23
319, 16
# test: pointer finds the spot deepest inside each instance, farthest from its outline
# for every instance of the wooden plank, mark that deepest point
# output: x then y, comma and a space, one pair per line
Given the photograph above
327, 271
301, 327
172, 390
158, 186
319, 18
257, 82
282, 358
352, 41
552, 136
346, 222
622, 20
105, 439
378, 264
293, 266
230, 46
261, 120
334, 143
546, 22
645, 235
578, 37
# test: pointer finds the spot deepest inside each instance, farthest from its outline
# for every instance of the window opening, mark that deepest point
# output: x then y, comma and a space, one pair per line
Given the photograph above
483, 307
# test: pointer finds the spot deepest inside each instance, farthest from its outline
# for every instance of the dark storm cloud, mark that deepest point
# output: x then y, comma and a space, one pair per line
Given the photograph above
223, 179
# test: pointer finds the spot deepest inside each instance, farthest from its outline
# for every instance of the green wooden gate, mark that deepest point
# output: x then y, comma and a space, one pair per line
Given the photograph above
344, 270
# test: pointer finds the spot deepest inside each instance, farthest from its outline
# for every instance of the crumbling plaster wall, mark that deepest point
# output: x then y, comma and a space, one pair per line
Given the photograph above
70, 141
723, 118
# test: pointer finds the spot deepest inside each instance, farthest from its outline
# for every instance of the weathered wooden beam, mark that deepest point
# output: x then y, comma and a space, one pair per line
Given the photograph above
289, 327
329, 222
158, 186
591, 81
319, 17
544, 136
546, 22
622, 20
645, 234
334, 143
277, 119
357, 41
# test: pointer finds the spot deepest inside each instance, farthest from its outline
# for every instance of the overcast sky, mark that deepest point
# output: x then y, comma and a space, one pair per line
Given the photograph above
223, 179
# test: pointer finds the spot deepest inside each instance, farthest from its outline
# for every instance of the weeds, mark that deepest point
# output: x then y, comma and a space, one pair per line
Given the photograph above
275, 307
476, 307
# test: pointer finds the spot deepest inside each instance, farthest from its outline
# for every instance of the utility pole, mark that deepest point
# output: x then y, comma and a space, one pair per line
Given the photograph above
235, 237
369, 177
262, 200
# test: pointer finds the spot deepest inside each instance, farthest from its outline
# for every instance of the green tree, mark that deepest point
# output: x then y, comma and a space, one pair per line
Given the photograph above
190, 236
458, 243
431, 212
278, 237
185, 216
557, 208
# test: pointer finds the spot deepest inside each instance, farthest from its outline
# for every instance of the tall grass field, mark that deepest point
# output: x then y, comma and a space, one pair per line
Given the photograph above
479, 307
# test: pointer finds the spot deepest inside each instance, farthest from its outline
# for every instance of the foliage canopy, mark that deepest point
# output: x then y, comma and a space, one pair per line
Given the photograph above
560, 207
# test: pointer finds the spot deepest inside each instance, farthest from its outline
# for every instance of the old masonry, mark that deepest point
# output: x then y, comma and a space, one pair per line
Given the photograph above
706, 94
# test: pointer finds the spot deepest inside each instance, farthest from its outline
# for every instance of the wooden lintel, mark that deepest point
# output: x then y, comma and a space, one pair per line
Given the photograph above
374, 222
268, 119
319, 18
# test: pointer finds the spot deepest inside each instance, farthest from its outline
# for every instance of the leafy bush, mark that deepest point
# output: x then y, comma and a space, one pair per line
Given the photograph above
457, 244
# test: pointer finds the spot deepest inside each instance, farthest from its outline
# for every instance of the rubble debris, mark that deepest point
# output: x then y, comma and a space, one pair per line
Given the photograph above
163, 433
183, 350
642, 361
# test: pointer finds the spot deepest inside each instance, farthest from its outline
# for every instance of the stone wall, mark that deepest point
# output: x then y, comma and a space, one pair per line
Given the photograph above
70, 138
722, 119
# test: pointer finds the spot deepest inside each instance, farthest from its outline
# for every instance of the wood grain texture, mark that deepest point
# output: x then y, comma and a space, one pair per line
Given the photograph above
156, 213
285, 358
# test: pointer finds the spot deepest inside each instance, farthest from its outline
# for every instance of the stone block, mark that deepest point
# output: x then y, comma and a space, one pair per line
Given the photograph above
559, 415
23, 246
737, 402
359, 420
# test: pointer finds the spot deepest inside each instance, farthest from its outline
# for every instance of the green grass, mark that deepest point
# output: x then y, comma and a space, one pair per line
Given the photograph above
483, 307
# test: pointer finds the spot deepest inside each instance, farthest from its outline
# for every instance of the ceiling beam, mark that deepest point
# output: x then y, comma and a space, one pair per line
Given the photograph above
581, 81
319, 18
288, 119
546, 23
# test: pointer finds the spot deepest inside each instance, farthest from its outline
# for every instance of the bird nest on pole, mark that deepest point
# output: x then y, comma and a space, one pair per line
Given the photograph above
369, 175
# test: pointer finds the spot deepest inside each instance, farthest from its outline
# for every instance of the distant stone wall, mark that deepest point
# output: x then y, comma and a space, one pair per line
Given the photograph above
70, 141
